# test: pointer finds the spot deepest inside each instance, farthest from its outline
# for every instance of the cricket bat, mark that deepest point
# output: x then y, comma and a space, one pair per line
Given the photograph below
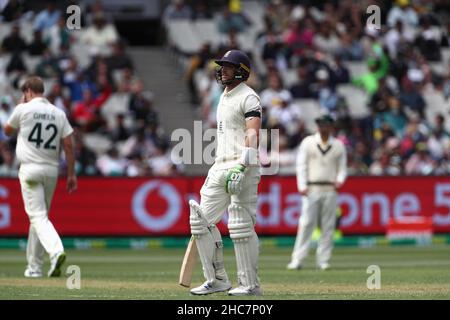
189, 262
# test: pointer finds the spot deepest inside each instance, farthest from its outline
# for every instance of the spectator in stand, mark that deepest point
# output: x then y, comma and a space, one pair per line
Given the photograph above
77, 82
429, 40
58, 36
301, 89
86, 113
328, 98
120, 132
374, 51
355, 166
299, 37
394, 117
85, 159
57, 98
99, 69
160, 163
351, 48
273, 50
48, 66
37, 46
276, 15
397, 38
446, 36
280, 107
202, 10
12, 10
439, 125
197, 62
230, 41
100, 36
271, 97
139, 143
438, 144
6, 109
403, 11
119, 59
383, 166
210, 92
231, 21
420, 163
48, 17
141, 104
326, 40
339, 72
410, 94
9, 167
177, 10
369, 81
14, 43
111, 164
136, 167
125, 79
283, 156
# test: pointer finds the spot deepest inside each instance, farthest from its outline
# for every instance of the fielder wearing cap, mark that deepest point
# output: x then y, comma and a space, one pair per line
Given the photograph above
321, 171
232, 184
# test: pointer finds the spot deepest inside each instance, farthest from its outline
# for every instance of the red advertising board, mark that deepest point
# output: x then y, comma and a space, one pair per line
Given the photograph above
159, 206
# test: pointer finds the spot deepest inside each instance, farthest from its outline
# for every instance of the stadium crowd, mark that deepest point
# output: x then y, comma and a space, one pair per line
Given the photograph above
315, 38
126, 143
318, 39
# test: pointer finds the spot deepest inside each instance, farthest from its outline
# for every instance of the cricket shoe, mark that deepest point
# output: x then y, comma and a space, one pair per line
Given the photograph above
294, 266
245, 291
55, 264
32, 273
324, 266
212, 287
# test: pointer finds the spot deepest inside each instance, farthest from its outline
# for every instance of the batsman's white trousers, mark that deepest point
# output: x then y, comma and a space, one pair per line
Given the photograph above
318, 207
38, 184
241, 222
215, 200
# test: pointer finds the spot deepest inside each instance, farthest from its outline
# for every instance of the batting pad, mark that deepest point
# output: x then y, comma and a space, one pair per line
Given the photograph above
204, 240
218, 263
246, 245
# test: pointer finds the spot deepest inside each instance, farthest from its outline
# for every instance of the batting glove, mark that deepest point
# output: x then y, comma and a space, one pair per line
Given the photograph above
235, 176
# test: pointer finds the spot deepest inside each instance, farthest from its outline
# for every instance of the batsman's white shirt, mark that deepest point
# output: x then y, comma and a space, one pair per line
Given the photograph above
42, 126
235, 107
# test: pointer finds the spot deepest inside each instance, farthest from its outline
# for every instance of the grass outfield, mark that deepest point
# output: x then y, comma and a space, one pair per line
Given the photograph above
406, 273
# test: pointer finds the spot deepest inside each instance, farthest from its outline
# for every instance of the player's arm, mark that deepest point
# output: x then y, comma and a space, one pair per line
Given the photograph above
68, 147
302, 175
252, 114
342, 169
249, 154
9, 130
12, 125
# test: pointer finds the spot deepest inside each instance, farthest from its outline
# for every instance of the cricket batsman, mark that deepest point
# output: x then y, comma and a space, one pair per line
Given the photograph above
231, 183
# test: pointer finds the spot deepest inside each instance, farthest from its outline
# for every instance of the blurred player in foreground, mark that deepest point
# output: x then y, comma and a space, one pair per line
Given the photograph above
232, 181
42, 129
321, 171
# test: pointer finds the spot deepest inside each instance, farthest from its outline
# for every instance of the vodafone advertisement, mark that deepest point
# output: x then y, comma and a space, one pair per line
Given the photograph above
159, 206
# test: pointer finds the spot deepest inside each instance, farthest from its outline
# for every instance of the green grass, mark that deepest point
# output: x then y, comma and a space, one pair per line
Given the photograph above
406, 273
